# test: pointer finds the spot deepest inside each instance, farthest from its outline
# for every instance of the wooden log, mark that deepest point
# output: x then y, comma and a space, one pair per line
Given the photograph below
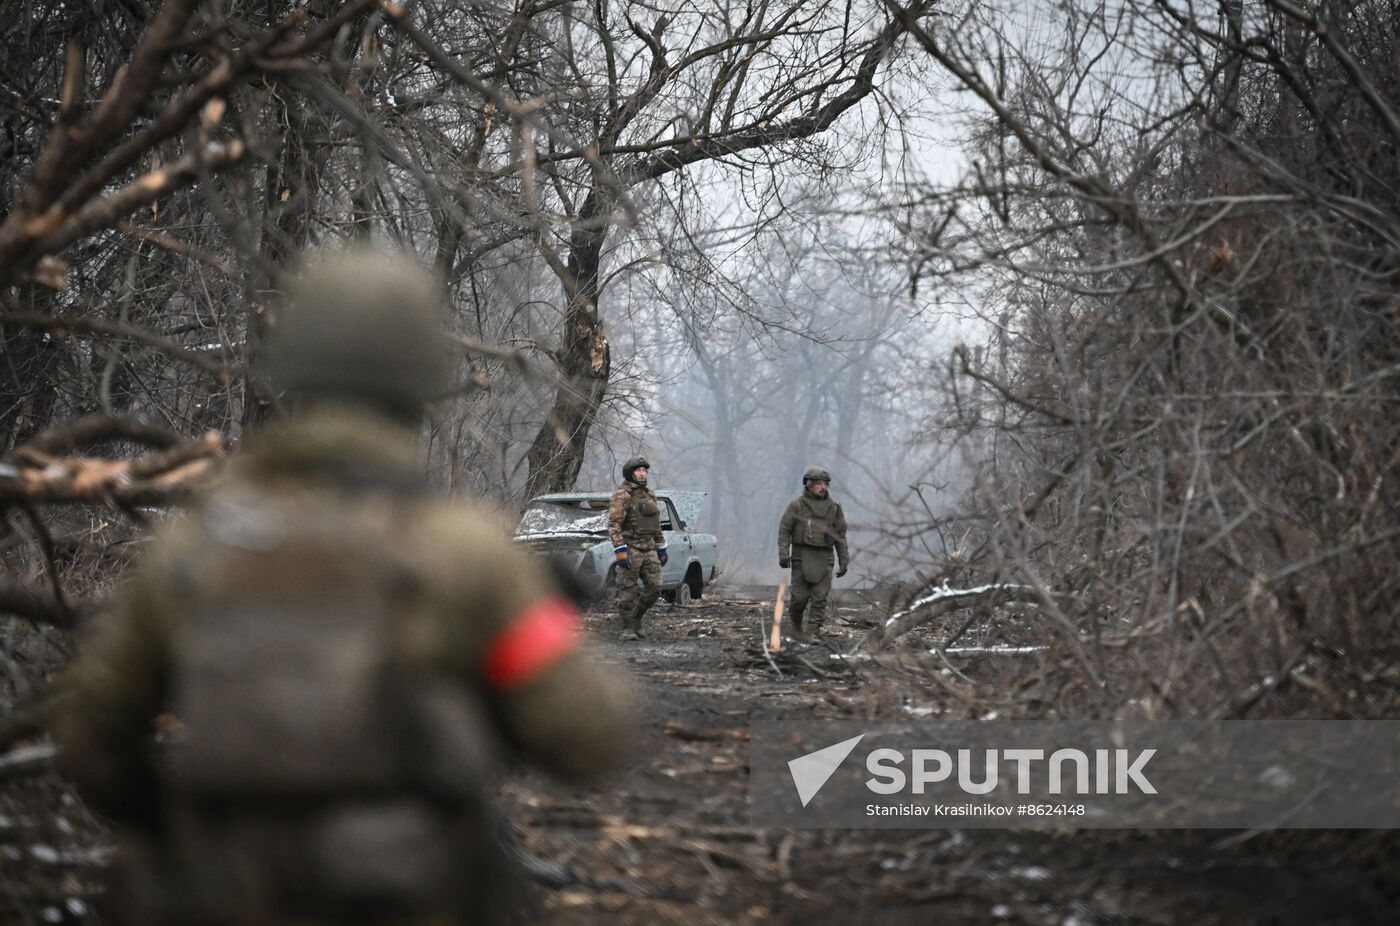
776, 642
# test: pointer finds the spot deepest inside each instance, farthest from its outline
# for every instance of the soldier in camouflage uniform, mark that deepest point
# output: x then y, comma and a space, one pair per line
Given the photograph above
812, 526
634, 524
335, 654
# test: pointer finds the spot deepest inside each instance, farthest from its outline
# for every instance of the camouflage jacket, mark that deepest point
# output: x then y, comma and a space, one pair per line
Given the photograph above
809, 521
485, 623
631, 507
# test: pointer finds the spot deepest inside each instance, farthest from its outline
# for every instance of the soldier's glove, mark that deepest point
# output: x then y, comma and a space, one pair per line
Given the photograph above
662, 556
624, 561
784, 562
840, 570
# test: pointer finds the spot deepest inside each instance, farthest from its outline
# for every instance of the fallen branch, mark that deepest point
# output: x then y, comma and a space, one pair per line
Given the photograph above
941, 601
699, 735
27, 761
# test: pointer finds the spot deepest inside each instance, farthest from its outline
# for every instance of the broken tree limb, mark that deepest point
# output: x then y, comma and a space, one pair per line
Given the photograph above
52, 232
27, 761
170, 475
942, 601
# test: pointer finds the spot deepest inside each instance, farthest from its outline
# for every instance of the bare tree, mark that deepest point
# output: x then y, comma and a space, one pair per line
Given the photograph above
648, 100
1180, 420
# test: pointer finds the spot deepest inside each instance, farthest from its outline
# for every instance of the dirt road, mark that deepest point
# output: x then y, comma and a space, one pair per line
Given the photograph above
669, 839
671, 836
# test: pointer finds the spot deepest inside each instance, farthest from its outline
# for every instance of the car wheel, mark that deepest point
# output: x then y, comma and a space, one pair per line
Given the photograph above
683, 596
693, 583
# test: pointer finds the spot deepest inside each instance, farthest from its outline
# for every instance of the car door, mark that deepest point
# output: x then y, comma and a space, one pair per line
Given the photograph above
678, 546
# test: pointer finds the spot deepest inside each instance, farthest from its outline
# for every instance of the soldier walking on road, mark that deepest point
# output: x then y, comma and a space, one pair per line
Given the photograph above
811, 526
335, 652
634, 524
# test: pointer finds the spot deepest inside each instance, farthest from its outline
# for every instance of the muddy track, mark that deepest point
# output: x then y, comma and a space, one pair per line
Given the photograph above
669, 840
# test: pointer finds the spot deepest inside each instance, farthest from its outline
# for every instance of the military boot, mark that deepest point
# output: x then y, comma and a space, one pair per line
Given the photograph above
797, 632
632, 627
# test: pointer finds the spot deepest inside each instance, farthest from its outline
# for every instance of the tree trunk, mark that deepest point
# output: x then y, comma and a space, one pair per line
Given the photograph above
556, 455
724, 460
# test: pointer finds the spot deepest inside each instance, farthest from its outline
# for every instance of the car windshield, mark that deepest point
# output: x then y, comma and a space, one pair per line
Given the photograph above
574, 516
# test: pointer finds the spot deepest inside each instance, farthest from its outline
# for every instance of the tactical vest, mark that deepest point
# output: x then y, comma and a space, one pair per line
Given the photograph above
289, 679
642, 516
813, 529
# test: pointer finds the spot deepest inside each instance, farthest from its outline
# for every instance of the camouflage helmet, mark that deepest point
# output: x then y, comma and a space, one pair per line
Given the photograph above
816, 474
631, 464
365, 326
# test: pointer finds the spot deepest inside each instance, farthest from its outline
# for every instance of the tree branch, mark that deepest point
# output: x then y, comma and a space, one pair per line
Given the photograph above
58, 326
805, 126
156, 479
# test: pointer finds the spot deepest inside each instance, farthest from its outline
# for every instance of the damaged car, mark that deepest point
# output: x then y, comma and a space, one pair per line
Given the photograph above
572, 527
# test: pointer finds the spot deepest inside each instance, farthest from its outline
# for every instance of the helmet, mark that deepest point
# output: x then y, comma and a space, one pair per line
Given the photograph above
632, 464
816, 474
364, 326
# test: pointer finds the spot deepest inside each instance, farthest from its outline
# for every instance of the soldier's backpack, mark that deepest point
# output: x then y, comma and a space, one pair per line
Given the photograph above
289, 680
320, 773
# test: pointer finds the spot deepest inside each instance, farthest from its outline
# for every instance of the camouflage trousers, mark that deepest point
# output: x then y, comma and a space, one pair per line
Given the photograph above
638, 587
810, 585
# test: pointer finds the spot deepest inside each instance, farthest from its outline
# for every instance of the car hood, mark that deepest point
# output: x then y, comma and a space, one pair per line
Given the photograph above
689, 504
590, 536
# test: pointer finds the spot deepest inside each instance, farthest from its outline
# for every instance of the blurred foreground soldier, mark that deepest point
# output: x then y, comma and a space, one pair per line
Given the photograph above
812, 526
335, 653
634, 524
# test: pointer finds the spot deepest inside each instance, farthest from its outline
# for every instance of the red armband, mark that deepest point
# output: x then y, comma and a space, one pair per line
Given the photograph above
536, 639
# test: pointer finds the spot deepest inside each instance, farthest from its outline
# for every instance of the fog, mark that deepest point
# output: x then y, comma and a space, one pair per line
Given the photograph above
792, 350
